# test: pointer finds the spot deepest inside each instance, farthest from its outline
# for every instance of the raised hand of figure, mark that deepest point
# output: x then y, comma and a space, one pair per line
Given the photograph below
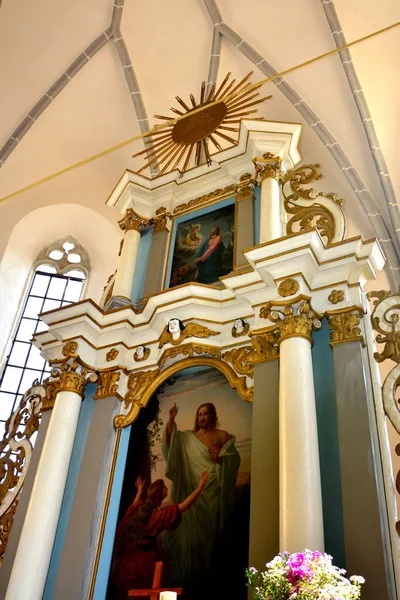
139, 483
203, 479
173, 411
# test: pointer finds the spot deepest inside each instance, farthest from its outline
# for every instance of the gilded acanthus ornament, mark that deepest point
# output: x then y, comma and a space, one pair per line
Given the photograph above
294, 318
160, 220
188, 350
264, 347
303, 203
344, 324
244, 188
268, 165
336, 296
288, 287
132, 220
15, 454
108, 384
69, 349
137, 383
73, 377
112, 354
175, 332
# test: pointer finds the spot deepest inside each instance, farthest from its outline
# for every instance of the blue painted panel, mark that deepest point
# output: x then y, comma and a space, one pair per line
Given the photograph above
74, 468
103, 570
192, 215
328, 441
257, 214
142, 264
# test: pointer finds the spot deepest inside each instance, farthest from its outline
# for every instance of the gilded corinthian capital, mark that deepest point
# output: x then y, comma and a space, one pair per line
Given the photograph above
294, 318
132, 220
71, 377
268, 165
344, 325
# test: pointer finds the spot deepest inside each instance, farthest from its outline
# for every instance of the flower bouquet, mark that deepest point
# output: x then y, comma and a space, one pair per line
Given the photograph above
303, 576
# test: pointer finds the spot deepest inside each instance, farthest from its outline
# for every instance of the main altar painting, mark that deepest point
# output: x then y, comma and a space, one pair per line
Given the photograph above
186, 494
203, 249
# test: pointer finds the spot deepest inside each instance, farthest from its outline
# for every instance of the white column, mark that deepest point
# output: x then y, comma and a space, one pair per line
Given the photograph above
28, 576
127, 265
300, 504
270, 217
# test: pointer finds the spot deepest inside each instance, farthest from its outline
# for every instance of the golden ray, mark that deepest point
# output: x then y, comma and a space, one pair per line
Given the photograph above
215, 142
226, 137
185, 143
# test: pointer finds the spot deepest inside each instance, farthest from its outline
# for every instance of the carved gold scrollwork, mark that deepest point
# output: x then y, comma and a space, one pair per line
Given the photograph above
191, 330
385, 319
240, 359
188, 350
137, 384
307, 206
295, 318
107, 384
264, 346
344, 325
15, 454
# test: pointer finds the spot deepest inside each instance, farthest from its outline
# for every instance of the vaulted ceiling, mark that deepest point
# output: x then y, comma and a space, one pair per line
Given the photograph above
79, 77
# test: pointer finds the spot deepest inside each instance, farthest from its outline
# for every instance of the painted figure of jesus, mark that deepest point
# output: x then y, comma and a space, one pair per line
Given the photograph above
188, 454
209, 260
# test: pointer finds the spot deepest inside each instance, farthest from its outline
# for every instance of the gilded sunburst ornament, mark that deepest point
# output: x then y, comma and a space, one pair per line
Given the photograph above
186, 143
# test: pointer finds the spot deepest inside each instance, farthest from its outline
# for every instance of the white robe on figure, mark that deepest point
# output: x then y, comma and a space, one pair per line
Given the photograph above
191, 545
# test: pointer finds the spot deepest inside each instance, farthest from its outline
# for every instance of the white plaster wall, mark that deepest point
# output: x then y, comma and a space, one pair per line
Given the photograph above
39, 228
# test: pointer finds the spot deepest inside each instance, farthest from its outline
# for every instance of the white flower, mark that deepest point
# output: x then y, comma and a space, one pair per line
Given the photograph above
357, 579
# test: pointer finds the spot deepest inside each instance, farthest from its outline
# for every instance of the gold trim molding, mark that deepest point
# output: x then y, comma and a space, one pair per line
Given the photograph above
216, 195
344, 325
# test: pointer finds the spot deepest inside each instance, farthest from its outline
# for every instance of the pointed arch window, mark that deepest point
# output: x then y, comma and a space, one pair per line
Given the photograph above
59, 275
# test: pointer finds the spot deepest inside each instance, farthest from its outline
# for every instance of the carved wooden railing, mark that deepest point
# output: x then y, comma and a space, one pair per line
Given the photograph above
15, 454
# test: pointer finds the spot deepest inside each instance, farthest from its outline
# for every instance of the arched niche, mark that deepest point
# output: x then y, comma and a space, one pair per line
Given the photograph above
191, 383
146, 383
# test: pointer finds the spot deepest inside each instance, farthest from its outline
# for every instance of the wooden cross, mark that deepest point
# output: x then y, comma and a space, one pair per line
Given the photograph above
155, 590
